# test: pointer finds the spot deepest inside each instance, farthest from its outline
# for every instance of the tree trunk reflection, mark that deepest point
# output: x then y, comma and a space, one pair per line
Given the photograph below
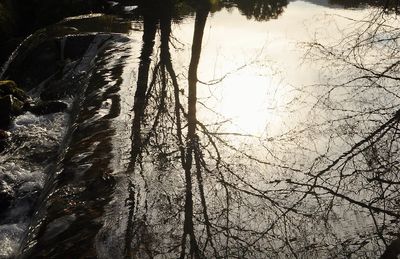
150, 28
192, 147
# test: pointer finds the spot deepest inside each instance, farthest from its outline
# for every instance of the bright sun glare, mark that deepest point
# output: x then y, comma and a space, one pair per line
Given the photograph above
245, 100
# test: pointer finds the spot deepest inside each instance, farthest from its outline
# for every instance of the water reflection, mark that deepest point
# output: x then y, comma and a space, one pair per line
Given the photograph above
194, 193
389, 5
236, 150
260, 10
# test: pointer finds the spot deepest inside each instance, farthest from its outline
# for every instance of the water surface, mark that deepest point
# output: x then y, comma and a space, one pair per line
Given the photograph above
259, 129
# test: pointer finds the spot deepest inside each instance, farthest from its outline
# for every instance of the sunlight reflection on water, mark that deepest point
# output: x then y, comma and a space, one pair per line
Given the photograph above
252, 66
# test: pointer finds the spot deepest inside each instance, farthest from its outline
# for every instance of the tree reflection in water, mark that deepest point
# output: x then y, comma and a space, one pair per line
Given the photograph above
194, 194
387, 5
260, 10
362, 104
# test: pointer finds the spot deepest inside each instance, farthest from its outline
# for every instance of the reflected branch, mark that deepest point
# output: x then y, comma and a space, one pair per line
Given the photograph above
139, 106
213, 198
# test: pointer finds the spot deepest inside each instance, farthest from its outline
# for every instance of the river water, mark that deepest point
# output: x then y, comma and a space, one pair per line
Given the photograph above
259, 129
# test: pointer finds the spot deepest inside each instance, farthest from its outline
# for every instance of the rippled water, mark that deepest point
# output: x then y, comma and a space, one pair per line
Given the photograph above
284, 147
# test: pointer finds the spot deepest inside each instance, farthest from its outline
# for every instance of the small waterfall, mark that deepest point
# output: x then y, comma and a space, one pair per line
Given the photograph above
83, 182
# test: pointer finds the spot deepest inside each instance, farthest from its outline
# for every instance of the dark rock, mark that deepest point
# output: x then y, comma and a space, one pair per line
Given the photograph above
5, 120
8, 87
48, 107
9, 107
4, 135
13, 102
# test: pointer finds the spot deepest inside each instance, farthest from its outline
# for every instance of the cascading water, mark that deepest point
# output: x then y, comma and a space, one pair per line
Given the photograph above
84, 180
47, 149
35, 143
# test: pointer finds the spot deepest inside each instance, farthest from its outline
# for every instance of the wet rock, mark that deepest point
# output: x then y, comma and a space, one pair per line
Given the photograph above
49, 107
13, 102
8, 87
9, 107
4, 135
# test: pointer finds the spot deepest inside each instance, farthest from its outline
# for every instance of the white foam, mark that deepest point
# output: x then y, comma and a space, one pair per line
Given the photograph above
22, 172
130, 8
25, 120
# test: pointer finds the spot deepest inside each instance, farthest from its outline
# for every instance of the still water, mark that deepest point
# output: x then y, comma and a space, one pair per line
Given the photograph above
260, 129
